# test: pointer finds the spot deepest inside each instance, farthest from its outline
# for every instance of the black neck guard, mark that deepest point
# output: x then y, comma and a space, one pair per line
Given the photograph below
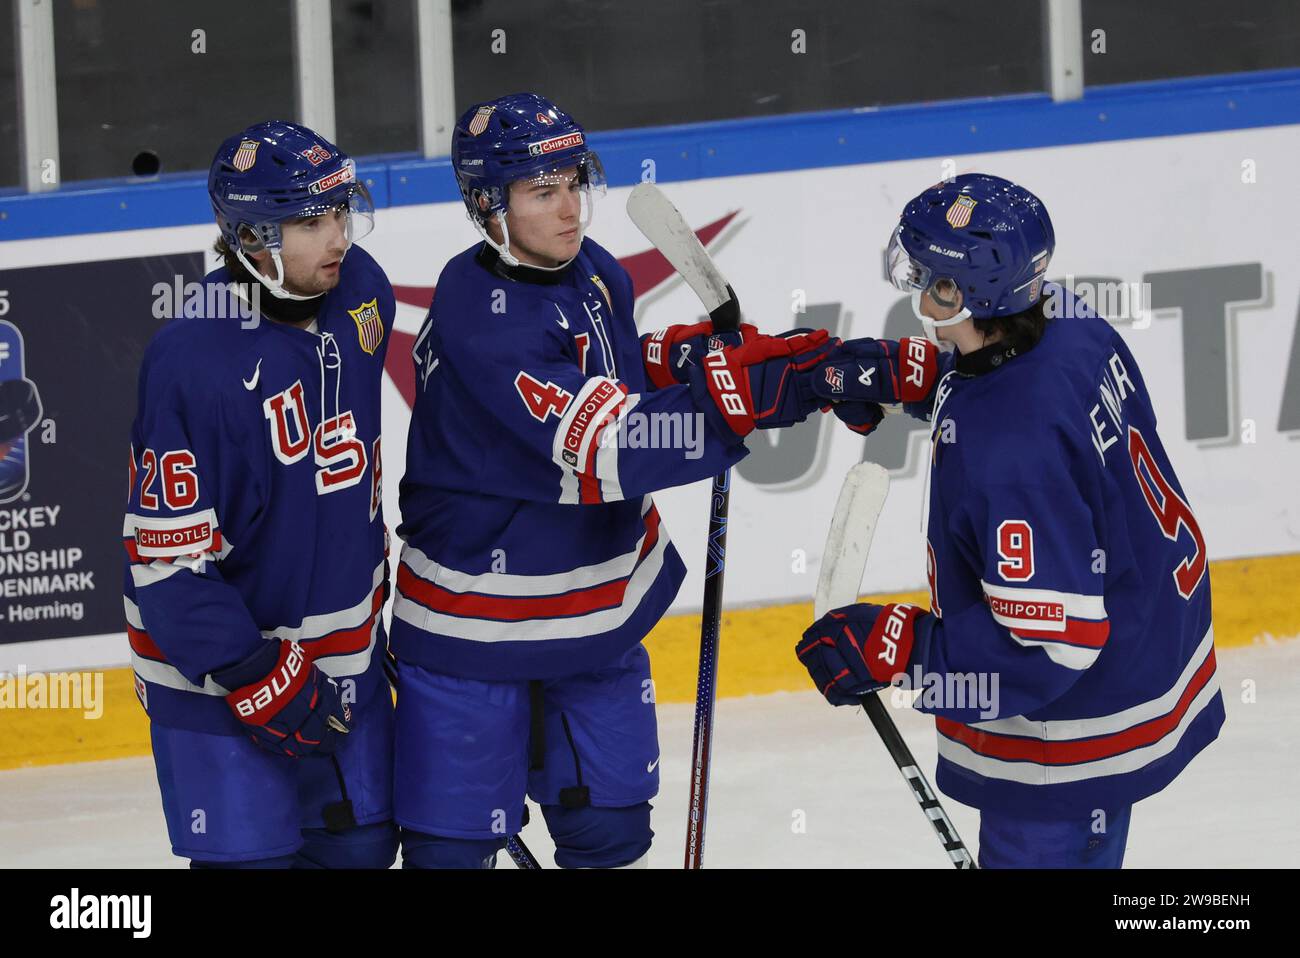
987, 358
491, 260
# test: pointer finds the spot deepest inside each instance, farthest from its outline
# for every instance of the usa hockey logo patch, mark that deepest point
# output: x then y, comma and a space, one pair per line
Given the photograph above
370, 326
958, 214
245, 156
835, 378
480, 121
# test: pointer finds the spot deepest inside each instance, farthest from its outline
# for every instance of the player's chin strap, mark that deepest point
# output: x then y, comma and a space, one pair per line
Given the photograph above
503, 249
275, 284
930, 325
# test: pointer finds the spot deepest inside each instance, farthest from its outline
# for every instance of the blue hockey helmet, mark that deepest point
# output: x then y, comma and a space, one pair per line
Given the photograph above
278, 171
522, 136
978, 234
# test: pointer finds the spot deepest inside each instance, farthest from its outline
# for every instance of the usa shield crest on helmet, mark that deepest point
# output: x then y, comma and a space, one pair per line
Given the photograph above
480, 121
245, 156
958, 214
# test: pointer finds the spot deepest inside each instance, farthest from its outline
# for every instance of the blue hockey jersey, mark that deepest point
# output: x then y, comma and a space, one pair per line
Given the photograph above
532, 548
1066, 564
255, 509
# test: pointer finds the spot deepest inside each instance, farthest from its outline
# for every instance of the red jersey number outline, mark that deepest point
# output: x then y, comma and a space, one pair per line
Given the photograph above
180, 483
542, 399
1016, 547
932, 574
1172, 513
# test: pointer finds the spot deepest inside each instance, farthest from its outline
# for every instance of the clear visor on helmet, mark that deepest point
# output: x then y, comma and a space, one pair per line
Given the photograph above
588, 173
356, 203
910, 276
903, 271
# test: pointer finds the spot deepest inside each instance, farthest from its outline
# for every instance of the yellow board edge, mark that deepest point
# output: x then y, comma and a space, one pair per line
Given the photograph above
1253, 603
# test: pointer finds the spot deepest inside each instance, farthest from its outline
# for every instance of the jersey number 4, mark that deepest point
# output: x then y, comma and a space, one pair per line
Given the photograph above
542, 399
1172, 513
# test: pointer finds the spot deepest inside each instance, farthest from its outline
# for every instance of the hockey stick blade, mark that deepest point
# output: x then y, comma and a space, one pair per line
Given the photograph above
848, 543
666, 228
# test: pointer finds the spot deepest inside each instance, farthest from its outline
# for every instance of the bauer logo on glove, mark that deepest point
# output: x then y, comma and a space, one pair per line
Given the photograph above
857, 649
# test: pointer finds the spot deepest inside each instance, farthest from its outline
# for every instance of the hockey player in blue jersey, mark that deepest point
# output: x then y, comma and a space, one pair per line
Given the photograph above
1068, 576
534, 561
255, 534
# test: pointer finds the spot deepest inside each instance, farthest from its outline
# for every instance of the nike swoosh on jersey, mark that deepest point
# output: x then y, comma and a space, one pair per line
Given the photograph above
563, 320
251, 384
651, 767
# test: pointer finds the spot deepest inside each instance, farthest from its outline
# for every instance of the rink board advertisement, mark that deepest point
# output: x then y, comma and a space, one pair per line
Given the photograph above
1187, 243
71, 339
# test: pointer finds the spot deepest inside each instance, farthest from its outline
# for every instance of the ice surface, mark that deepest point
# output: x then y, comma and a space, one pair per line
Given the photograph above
795, 783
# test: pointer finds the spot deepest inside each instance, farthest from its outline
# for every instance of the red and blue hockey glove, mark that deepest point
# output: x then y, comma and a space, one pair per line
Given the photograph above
879, 371
671, 353
861, 417
857, 649
764, 383
288, 704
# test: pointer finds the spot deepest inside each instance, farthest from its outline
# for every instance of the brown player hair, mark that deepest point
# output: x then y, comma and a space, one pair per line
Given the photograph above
1022, 330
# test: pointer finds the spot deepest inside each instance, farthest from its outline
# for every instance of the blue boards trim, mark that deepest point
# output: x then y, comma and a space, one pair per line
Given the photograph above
739, 147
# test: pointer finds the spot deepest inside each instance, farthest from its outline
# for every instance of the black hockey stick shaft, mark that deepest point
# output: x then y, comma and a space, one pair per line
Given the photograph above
958, 854
515, 847
706, 685
520, 855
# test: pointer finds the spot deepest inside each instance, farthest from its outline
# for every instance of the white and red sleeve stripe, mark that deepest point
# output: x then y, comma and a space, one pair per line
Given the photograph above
586, 441
1069, 627
148, 538
339, 642
497, 607
1035, 752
